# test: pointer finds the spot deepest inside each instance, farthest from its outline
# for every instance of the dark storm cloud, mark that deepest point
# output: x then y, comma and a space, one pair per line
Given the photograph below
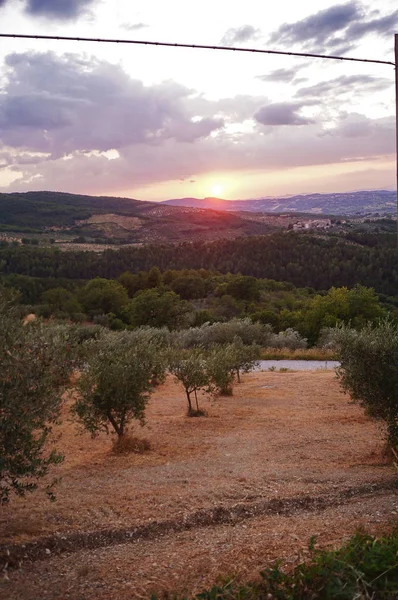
239, 35
281, 113
336, 29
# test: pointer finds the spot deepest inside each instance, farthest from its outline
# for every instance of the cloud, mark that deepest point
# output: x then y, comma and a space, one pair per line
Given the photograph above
336, 29
345, 84
58, 9
62, 104
134, 26
318, 27
239, 35
383, 26
281, 113
62, 10
279, 75
283, 148
60, 116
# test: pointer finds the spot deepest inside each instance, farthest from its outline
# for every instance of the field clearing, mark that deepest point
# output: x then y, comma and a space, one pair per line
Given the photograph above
285, 458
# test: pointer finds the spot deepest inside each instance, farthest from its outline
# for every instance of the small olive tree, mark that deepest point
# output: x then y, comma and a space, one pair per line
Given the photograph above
221, 365
121, 372
189, 367
244, 358
227, 361
35, 365
369, 370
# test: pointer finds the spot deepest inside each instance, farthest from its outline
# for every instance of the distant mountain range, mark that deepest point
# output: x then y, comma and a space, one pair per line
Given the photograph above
350, 203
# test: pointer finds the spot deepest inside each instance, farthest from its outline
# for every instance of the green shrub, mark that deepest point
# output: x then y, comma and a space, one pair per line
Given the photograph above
34, 371
120, 374
369, 370
366, 568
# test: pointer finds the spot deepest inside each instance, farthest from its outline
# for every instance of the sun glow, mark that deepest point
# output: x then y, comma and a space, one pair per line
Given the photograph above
216, 189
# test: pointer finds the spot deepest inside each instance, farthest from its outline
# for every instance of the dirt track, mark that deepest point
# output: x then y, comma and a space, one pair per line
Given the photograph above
285, 458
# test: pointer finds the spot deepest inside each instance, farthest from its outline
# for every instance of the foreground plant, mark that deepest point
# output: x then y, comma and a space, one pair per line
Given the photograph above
227, 361
121, 373
190, 369
35, 365
369, 371
366, 568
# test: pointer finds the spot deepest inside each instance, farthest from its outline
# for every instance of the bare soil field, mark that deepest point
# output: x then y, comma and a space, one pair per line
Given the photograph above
285, 458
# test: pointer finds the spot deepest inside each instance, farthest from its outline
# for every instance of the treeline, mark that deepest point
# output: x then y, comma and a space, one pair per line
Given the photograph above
301, 259
189, 299
40, 209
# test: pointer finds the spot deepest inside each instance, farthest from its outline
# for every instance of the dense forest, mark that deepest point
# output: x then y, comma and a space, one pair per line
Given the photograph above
304, 260
39, 209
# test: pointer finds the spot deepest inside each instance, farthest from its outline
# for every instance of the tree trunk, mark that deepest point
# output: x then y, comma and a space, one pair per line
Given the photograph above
238, 374
119, 429
189, 400
196, 398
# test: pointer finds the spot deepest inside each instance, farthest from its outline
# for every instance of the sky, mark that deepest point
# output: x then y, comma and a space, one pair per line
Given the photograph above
158, 123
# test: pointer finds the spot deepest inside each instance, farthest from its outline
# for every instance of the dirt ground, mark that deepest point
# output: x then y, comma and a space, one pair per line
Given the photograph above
286, 457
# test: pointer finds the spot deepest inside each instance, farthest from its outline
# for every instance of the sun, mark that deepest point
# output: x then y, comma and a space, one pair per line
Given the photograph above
216, 189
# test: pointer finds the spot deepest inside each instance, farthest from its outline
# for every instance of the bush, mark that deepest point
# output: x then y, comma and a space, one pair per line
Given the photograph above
328, 338
221, 364
290, 339
225, 333
34, 371
121, 373
369, 371
365, 568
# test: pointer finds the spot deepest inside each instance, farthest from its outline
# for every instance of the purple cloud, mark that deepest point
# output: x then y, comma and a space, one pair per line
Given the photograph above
239, 35
62, 10
62, 104
281, 113
345, 84
336, 29
55, 108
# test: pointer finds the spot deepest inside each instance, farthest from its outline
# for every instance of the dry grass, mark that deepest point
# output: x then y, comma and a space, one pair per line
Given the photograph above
128, 443
279, 437
299, 354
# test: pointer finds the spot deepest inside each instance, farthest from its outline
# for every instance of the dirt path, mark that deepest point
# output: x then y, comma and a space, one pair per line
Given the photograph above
285, 458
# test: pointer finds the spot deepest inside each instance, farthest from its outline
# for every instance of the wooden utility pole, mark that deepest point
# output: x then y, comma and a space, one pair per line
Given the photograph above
396, 118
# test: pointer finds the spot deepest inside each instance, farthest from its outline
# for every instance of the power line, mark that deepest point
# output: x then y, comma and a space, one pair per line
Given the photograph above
192, 46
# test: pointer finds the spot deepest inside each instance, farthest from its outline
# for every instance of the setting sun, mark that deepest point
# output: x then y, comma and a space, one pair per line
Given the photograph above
216, 189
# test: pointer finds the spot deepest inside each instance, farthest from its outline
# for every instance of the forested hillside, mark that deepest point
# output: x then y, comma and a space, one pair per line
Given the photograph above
60, 218
302, 259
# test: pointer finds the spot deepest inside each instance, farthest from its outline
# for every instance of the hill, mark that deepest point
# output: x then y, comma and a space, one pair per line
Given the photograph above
350, 203
107, 219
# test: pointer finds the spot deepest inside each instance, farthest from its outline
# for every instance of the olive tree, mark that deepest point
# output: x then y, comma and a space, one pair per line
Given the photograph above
35, 365
227, 361
189, 367
244, 358
121, 372
369, 370
221, 366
